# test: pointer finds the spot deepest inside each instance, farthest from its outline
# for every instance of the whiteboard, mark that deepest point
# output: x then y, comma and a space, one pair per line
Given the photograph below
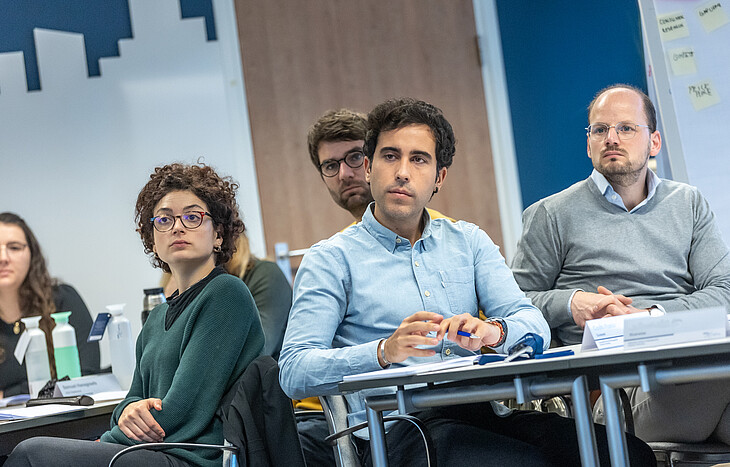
688, 45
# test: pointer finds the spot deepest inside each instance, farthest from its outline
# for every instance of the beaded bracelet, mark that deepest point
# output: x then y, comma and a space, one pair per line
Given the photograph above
499, 322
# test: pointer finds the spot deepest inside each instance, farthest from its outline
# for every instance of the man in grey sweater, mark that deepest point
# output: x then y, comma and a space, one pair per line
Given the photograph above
624, 240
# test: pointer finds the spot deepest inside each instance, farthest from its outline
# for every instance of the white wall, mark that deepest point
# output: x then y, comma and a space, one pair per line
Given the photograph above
74, 155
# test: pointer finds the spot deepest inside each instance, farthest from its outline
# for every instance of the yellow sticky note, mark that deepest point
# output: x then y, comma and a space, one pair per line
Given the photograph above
703, 95
672, 26
712, 16
682, 61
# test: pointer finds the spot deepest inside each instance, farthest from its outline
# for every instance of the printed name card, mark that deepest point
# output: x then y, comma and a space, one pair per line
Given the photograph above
672, 26
607, 333
712, 16
703, 95
675, 328
86, 385
682, 61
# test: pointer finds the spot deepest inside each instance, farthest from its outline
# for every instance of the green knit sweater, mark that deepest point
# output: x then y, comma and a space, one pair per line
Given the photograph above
191, 365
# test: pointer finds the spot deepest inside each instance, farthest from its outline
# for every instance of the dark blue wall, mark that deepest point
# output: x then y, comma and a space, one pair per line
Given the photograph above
557, 54
103, 23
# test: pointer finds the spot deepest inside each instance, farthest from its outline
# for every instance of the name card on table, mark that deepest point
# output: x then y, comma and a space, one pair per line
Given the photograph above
675, 328
607, 333
87, 385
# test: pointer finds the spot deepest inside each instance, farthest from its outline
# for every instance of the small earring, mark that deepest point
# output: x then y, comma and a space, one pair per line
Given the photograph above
436, 190
217, 249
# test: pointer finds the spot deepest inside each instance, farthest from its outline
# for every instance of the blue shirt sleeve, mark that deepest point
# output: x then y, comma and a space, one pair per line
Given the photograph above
308, 363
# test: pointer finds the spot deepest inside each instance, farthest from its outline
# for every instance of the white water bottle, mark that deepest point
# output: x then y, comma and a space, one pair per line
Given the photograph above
121, 346
36, 356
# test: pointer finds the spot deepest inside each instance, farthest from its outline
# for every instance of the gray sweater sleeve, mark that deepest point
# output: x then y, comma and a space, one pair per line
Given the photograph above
709, 263
537, 265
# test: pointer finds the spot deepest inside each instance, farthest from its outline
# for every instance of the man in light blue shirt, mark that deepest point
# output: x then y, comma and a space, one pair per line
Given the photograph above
394, 290
624, 240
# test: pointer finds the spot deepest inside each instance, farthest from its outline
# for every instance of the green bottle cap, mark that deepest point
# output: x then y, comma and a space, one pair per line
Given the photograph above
61, 317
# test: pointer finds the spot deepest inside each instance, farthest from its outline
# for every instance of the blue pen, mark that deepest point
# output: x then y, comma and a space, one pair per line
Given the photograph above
466, 334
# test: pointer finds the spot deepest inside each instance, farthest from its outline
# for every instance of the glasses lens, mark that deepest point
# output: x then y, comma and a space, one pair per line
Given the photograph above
598, 131
354, 159
163, 223
192, 220
14, 249
330, 168
625, 130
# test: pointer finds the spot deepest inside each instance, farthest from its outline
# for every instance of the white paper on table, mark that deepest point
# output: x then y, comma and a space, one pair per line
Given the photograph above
109, 396
19, 413
414, 369
676, 327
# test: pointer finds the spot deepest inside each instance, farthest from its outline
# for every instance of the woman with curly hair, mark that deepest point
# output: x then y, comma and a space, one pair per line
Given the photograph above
191, 349
268, 286
26, 289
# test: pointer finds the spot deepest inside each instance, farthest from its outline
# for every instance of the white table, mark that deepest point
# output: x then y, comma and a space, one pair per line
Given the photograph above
532, 379
79, 423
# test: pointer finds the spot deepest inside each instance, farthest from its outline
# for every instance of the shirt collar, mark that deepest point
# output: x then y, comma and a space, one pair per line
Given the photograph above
607, 190
386, 237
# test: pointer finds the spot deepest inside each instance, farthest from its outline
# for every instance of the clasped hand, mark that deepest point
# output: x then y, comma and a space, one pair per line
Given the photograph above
138, 424
413, 331
586, 306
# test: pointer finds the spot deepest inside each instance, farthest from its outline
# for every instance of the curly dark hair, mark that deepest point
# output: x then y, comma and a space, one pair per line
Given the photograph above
218, 193
335, 125
398, 113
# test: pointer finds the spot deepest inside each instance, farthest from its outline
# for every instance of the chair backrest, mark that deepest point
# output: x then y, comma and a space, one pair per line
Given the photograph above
259, 418
335, 412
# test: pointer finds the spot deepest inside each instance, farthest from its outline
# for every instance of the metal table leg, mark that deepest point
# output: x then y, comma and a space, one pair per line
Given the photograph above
584, 423
614, 426
377, 438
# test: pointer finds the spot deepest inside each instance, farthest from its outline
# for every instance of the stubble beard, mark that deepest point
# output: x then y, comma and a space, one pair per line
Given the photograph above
356, 204
626, 174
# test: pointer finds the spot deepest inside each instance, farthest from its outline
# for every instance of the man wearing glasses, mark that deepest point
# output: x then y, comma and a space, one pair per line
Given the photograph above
625, 240
335, 144
396, 288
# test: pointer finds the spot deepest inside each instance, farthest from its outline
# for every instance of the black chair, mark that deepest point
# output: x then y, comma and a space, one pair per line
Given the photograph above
690, 454
259, 428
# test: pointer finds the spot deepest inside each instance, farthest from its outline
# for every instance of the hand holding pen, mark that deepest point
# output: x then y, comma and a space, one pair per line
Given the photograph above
468, 331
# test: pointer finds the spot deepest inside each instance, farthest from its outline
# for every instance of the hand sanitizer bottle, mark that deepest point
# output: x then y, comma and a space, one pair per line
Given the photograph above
64, 347
121, 346
36, 356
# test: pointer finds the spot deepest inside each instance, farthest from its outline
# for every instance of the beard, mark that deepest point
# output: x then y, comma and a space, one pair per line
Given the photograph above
623, 174
355, 203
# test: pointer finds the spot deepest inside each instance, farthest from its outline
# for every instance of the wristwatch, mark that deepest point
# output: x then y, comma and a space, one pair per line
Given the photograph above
381, 352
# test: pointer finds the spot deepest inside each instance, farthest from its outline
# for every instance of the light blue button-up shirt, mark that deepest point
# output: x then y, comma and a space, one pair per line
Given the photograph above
357, 287
652, 180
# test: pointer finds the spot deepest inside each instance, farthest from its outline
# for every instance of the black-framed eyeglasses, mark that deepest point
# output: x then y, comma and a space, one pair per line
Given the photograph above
331, 167
189, 220
624, 130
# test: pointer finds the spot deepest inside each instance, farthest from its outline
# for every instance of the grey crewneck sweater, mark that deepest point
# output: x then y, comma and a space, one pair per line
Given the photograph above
668, 251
